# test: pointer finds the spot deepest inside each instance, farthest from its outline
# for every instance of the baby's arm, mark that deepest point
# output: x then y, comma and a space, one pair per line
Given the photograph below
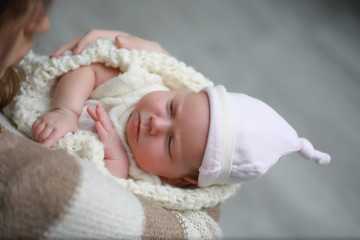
72, 90
116, 160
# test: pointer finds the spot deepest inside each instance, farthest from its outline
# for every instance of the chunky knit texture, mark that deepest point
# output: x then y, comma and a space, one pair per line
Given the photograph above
143, 72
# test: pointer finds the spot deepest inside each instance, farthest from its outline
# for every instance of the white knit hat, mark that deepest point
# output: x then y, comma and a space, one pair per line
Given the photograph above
246, 137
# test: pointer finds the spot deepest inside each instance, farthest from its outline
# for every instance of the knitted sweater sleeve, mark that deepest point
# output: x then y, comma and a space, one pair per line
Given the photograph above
49, 194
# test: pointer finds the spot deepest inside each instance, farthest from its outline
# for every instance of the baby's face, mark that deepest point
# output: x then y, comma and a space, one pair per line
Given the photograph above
167, 132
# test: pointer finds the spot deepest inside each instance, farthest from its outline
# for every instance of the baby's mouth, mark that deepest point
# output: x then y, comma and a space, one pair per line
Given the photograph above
133, 126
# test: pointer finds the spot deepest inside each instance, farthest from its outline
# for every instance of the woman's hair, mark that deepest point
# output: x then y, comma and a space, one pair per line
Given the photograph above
14, 15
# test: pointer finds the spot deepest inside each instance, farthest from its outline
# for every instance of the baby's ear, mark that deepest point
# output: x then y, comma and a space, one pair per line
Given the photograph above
182, 182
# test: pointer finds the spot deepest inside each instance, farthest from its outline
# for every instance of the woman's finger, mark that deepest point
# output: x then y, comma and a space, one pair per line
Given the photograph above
68, 46
132, 42
95, 34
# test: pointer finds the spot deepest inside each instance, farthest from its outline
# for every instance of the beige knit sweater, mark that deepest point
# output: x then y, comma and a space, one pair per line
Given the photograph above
49, 194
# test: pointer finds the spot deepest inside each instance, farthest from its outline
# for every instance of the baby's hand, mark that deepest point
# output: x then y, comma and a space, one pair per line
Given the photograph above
107, 134
52, 126
116, 160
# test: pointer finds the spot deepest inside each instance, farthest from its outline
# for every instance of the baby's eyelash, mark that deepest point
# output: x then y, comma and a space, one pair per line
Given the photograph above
171, 107
169, 145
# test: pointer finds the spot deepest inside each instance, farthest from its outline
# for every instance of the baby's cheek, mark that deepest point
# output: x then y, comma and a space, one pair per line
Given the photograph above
140, 159
148, 160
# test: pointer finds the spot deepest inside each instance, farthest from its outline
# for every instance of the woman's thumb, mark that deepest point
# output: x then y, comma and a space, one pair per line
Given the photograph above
122, 42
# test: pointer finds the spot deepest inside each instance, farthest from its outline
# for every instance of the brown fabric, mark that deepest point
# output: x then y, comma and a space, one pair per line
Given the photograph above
160, 223
36, 186
214, 212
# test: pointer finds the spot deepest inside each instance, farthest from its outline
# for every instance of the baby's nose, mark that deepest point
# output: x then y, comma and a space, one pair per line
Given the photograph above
158, 125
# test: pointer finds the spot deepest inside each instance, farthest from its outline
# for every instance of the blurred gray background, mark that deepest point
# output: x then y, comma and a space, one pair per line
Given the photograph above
301, 57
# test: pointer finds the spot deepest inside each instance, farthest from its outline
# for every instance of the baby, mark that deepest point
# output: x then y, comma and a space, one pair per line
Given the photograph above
204, 138
162, 137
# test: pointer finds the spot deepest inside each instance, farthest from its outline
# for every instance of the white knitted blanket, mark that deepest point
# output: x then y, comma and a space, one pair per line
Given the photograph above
142, 72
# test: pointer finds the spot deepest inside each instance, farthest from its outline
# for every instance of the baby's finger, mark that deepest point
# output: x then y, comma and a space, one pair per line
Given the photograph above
92, 113
103, 134
103, 117
45, 134
52, 138
36, 129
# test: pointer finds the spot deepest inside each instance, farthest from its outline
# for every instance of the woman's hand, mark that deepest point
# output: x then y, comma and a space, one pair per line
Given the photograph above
122, 40
133, 42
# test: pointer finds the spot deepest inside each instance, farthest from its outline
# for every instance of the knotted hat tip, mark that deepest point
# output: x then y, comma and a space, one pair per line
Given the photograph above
307, 151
